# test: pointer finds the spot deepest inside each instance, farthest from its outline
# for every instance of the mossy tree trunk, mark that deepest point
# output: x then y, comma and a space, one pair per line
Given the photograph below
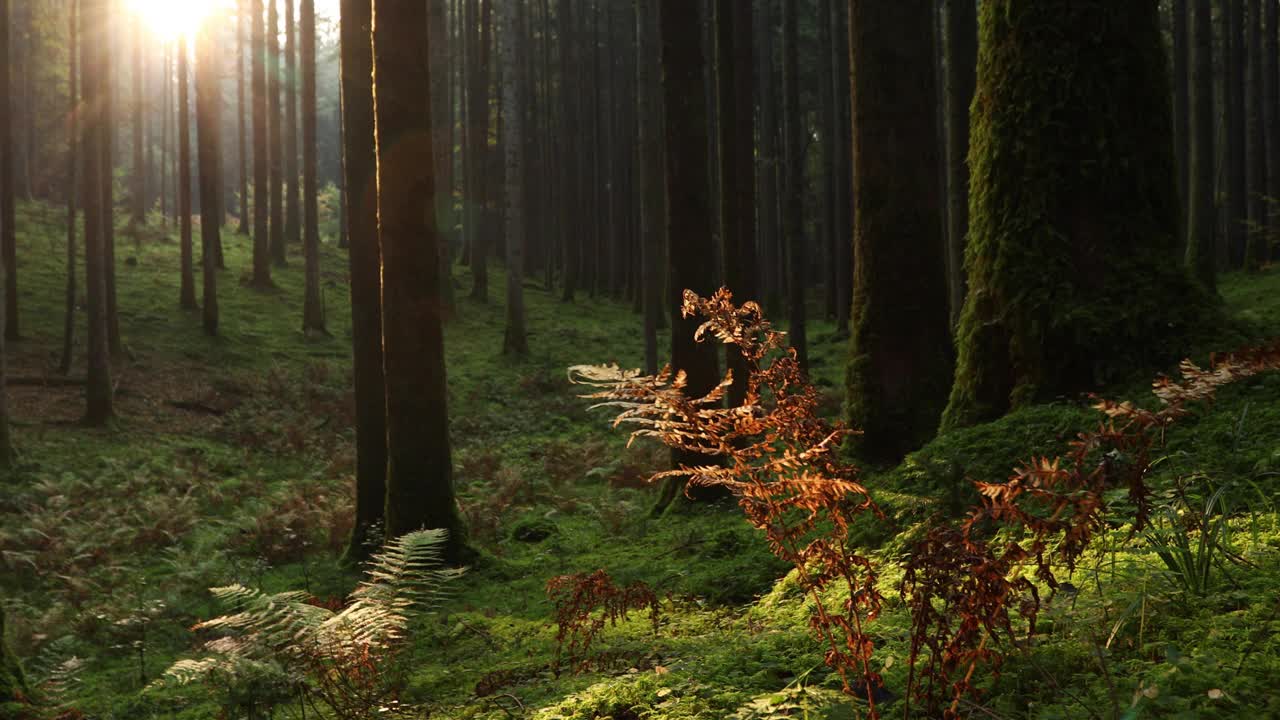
900, 358
420, 490
1073, 235
360, 212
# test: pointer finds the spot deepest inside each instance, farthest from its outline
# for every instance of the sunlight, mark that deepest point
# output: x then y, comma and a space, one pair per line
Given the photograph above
171, 19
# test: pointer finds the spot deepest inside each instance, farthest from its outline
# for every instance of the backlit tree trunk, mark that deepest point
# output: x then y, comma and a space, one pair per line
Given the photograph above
187, 293
312, 306
261, 178
208, 99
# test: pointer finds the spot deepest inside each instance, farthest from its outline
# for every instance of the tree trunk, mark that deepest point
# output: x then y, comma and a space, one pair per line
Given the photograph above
95, 139
843, 167
138, 194
1271, 117
515, 340
768, 160
313, 305
1256, 142
419, 468
8, 233
1200, 218
275, 134
261, 179
365, 260
441, 110
652, 222
737, 171
1237, 185
691, 247
570, 178
900, 360
1181, 100
961, 51
73, 160
208, 99
292, 217
187, 293
793, 196
1094, 209
242, 22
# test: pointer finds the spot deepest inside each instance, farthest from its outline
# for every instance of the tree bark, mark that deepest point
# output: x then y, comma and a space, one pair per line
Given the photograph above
1093, 209
1257, 140
365, 261
1236, 130
419, 467
8, 233
242, 23
652, 222
73, 161
138, 194
1181, 99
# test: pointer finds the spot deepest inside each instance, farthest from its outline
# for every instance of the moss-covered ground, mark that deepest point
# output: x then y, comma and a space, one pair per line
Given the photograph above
231, 461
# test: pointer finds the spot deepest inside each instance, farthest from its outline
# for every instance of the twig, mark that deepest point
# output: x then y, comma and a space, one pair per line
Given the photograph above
503, 708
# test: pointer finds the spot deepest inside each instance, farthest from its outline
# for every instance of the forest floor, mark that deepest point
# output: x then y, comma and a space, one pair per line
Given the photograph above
232, 458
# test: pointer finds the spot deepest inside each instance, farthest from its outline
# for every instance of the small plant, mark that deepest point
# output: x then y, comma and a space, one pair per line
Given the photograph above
343, 659
585, 604
1192, 541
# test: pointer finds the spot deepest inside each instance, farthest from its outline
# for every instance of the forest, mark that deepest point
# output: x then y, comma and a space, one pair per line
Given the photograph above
639, 359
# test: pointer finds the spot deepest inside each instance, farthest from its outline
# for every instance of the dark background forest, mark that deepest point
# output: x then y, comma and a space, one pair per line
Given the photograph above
955, 327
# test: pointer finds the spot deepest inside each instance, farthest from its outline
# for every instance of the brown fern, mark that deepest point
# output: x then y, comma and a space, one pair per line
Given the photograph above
585, 604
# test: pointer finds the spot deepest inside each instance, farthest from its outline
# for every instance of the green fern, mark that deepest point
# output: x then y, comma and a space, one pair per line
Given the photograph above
284, 632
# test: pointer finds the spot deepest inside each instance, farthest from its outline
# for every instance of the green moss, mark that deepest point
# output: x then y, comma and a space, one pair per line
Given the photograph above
1072, 254
13, 682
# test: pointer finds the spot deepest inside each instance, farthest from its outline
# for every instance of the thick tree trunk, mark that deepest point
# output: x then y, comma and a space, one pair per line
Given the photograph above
313, 305
261, 152
187, 292
365, 261
419, 468
208, 100
691, 247
1200, 217
900, 361
1094, 208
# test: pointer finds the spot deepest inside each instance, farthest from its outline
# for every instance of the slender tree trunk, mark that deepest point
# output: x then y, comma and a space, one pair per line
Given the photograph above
365, 261
1236, 130
769, 158
652, 222
166, 91
313, 305
478, 115
187, 292
208, 98
1181, 99
8, 234
107, 170
844, 168
1200, 255
73, 192
94, 148
419, 468
1271, 117
137, 199
1257, 139
737, 172
242, 25
275, 136
515, 340
261, 153
441, 110
292, 218
793, 199
571, 200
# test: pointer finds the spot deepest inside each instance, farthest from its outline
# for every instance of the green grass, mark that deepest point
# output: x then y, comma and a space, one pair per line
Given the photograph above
106, 532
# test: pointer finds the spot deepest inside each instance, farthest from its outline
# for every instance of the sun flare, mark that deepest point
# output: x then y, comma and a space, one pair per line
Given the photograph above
172, 19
